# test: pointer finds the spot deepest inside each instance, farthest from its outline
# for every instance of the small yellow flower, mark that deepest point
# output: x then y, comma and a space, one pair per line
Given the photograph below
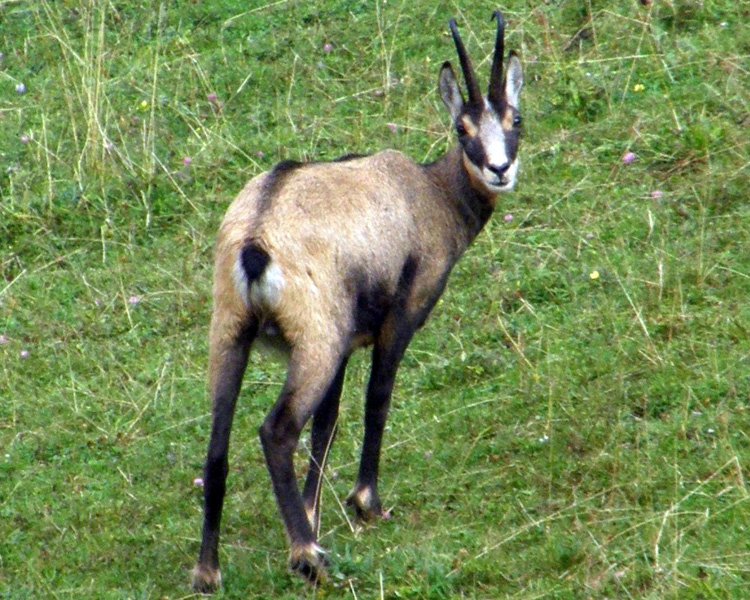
594, 275
144, 105
639, 87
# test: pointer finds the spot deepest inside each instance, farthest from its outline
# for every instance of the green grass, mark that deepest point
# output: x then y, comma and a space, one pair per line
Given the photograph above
554, 434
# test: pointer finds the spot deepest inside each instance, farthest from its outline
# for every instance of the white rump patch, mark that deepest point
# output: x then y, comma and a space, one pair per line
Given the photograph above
240, 281
264, 291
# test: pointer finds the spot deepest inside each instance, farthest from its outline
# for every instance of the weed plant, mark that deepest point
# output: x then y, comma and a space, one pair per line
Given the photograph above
572, 422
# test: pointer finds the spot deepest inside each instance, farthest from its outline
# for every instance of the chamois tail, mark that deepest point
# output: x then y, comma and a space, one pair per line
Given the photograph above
254, 261
258, 279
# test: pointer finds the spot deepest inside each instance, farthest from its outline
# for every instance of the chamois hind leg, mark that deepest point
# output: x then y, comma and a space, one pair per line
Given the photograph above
386, 357
228, 356
323, 432
312, 370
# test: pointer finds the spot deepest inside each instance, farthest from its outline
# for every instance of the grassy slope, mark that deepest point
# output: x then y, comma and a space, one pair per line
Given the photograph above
554, 434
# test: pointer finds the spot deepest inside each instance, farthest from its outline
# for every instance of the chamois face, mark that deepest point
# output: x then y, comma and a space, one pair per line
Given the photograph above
488, 127
489, 138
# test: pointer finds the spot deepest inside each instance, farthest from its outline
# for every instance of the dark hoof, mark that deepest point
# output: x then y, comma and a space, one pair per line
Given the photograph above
367, 505
310, 563
206, 580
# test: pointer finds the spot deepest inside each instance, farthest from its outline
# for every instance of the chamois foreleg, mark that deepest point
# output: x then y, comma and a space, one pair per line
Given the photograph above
227, 362
309, 377
386, 357
322, 434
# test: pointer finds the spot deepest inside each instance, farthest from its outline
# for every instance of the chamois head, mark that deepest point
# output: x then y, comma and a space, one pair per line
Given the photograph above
488, 127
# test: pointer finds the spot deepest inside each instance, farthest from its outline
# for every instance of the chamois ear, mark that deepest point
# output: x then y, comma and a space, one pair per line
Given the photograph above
449, 91
513, 80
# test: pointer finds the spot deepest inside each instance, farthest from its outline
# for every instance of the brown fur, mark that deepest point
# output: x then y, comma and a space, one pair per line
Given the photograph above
471, 129
320, 228
507, 120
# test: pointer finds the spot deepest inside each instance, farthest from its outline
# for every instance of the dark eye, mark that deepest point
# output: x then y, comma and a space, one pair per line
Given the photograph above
461, 129
517, 121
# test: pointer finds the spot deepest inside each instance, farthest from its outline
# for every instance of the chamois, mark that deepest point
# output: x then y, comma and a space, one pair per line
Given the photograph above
322, 258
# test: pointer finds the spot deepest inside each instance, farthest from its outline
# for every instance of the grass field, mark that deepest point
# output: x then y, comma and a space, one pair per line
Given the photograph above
572, 422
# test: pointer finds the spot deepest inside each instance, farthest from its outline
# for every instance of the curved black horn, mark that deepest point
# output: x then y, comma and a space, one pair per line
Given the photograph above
475, 96
496, 75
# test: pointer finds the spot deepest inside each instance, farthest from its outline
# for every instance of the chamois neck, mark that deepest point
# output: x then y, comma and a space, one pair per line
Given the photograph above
473, 205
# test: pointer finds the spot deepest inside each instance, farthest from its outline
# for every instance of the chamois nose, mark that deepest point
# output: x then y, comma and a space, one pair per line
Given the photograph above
499, 170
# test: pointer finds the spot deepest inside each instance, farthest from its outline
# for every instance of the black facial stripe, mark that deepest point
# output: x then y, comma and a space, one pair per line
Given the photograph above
475, 152
511, 143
